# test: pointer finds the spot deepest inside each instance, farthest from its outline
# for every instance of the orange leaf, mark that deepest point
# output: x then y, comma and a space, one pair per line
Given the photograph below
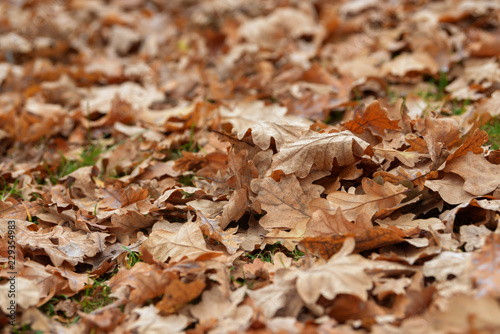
374, 118
376, 237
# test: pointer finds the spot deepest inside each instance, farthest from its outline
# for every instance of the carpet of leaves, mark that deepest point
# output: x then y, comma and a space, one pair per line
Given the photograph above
250, 166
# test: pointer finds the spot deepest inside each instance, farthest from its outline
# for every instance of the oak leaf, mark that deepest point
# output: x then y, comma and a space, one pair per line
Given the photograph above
284, 201
486, 268
481, 177
144, 280
319, 150
187, 242
344, 273
374, 118
326, 246
62, 244
377, 198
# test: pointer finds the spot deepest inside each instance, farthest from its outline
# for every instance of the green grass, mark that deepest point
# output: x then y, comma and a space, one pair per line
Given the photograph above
132, 258
267, 254
9, 190
493, 130
88, 157
24, 329
95, 296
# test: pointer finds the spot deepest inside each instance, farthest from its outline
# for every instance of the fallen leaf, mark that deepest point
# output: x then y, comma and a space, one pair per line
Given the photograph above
373, 118
169, 246
319, 150
284, 201
344, 273
373, 238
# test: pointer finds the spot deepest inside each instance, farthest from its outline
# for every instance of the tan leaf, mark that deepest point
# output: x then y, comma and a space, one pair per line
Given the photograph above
406, 62
145, 281
440, 133
247, 114
26, 291
450, 188
281, 133
481, 177
344, 273
319, 150
114, 196
284, 201
170, 246
408, 158
150, 321
376, 198
473, 236
62, 244
446, 263
212, 228
486, 268
325, 221
281, 295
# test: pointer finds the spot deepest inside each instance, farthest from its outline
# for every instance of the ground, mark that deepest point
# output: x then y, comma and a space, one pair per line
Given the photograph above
249, 166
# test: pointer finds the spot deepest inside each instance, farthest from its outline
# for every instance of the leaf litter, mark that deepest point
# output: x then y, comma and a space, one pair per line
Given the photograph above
250, 166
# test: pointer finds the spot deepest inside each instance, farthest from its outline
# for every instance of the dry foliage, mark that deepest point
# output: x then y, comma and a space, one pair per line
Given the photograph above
250, 166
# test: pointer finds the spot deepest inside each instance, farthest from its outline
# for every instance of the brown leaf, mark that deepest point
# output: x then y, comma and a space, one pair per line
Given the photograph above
472, 143
284, 201
114, 196
373, 118
373, 238
178, 293
319, 150
481, 177
486, 268
344, 273
145, 281
174, 246
325, 221
212, 229
377, 198
61, 244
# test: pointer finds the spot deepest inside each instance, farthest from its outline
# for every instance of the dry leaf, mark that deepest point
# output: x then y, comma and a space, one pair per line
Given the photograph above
318, 151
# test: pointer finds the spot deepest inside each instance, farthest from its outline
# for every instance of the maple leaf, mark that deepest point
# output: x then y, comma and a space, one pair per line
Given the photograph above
319, 150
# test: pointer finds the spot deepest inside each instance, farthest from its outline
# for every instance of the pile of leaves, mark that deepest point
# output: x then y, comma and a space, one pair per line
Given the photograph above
251, 166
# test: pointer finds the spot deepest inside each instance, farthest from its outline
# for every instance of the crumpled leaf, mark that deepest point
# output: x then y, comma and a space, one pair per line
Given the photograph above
72, 247
319, 150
